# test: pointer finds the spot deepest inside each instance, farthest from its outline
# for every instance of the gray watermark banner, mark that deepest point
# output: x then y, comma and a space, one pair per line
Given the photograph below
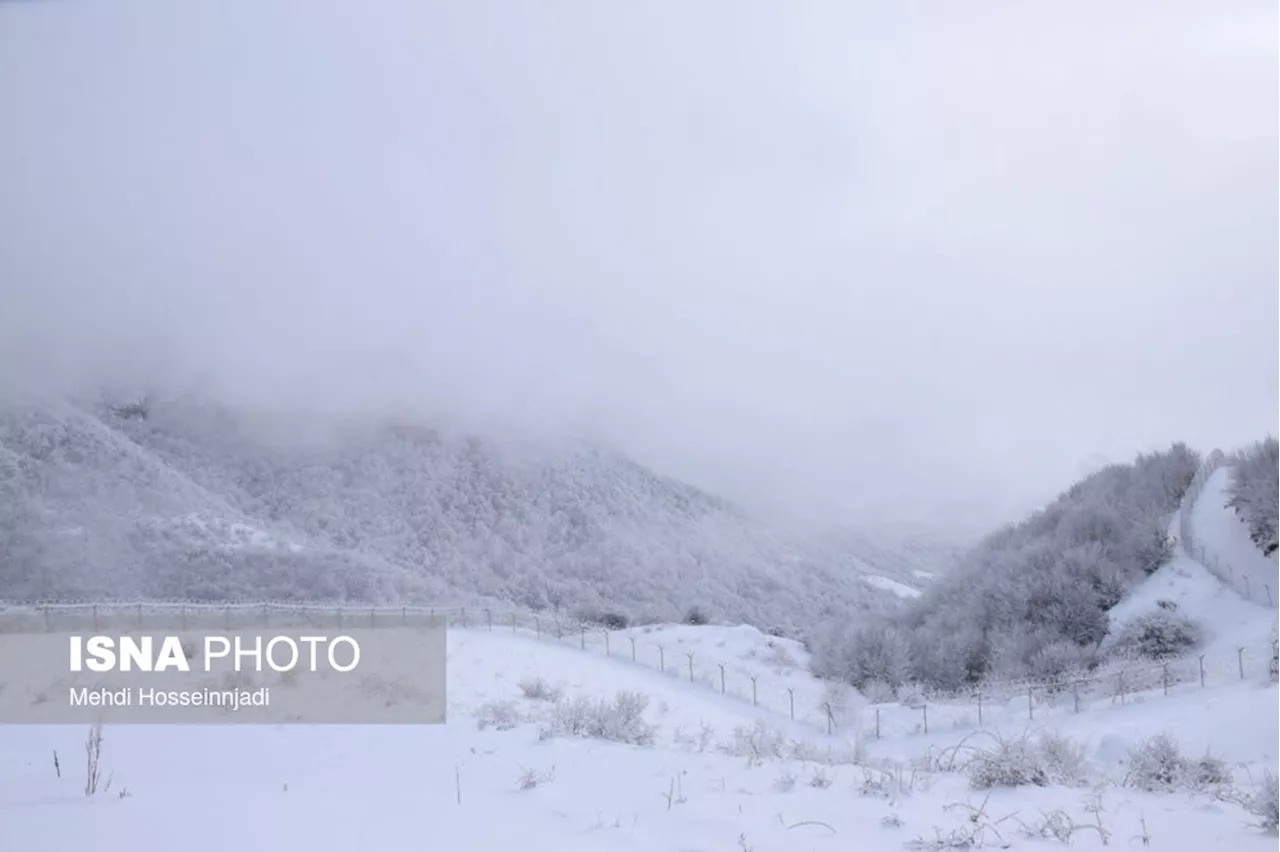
204, 667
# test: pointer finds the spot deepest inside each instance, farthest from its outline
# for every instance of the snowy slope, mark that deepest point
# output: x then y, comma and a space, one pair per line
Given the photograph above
188, 499
1228, 619
1224, 538
902, 590
456, 787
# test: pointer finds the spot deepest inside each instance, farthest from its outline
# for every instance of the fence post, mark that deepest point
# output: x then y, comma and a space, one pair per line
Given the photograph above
754, 702
830, 719
607, 652
877, 721
513, 622
537, 625
924, 708
791, 694
139, 616
1075, 694
1120, 689
633, 647
1031, 707
488, 617
463, 615
583, 643
266, 615
662, 659
979, 708
373, 617
226, 615
689, 654
722, 690
404, 616
559, 630
1201, 671
1247, 593
181, 615
1240, 661
1164, 676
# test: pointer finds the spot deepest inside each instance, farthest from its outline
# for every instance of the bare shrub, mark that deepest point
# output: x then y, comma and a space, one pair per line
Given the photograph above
499, 715
620, 720
977, 830
1158, 765
820, 779
1155, 764
756, 743
537, 689
892, 780
1265, 803
695, 742
530, 778
1025, 761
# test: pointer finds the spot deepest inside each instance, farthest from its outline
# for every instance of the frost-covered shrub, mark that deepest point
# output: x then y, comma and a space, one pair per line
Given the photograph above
1157, 635
756, 743
500, 715
1206, 773
620, 720
1013, 763
537, 689
1026, 761
1158, 765
1065, 759
1265, 803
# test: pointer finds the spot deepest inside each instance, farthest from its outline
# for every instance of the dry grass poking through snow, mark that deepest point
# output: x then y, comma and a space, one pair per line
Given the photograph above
987, 762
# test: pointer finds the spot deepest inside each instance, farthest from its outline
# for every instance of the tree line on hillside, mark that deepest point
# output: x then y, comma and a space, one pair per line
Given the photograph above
1254, 491
1032, 598
187, 499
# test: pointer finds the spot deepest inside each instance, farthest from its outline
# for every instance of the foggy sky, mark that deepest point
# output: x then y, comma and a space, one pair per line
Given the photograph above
862, 262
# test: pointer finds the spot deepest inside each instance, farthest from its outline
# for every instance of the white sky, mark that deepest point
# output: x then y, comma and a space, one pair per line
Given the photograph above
865, 262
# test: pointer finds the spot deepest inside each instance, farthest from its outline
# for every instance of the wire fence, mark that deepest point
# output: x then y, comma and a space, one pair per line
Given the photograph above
1257, 589
775, 685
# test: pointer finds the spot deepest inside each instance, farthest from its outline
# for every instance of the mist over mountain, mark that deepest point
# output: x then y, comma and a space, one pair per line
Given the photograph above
185, 498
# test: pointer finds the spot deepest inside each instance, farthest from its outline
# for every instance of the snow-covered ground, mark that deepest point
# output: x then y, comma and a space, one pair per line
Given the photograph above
902, 590
458, 787
1225, 540
1229, 620
719, 772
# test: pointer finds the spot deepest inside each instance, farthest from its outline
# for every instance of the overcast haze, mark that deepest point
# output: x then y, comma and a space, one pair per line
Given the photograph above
866, 262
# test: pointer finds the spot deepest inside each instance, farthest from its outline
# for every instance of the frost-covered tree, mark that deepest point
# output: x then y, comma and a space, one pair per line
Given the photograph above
1031, 600
1254, 492
197, 500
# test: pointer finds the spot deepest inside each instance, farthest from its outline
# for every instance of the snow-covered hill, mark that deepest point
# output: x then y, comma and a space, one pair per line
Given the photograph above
187, 499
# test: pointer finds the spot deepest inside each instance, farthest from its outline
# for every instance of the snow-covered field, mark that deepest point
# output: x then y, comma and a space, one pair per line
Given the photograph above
525, 761
460, 787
